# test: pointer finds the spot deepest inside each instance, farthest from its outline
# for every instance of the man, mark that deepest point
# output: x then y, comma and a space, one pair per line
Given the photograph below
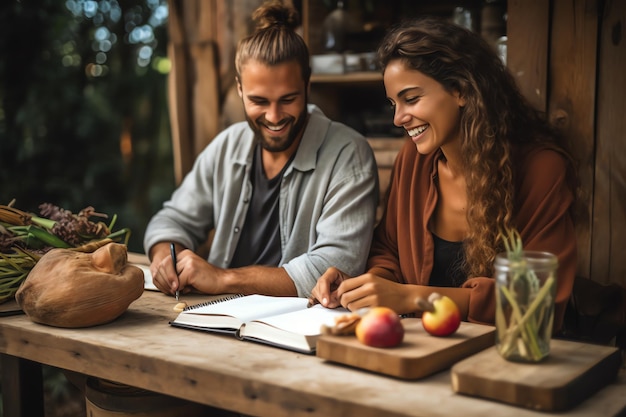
289, 192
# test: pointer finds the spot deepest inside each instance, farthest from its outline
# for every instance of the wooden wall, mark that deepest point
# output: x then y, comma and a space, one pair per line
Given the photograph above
608, 242
570, 61
203, 35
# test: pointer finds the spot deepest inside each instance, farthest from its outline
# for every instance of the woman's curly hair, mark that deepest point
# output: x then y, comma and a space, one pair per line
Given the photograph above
496, 119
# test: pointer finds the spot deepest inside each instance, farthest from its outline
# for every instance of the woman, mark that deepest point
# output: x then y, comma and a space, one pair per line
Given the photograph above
480, 161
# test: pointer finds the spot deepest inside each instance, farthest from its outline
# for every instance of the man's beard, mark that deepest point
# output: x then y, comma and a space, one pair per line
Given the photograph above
283, 143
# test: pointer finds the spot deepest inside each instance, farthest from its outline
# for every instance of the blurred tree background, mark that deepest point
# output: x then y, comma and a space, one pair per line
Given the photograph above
83, 108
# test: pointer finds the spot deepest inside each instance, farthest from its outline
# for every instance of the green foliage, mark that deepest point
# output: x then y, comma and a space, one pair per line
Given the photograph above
83, 111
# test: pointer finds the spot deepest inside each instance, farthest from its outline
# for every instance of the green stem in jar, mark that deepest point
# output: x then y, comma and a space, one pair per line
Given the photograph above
518, 329
523, 323
500, 321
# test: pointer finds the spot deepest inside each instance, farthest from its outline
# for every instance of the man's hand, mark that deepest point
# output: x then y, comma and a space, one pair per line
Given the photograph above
191, 272
196, 274
164, 276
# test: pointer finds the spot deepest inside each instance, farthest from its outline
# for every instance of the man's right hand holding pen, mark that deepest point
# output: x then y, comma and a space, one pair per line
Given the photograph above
192, 272
164, 267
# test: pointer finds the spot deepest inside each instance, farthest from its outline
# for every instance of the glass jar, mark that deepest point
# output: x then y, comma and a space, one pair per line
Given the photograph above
525, 291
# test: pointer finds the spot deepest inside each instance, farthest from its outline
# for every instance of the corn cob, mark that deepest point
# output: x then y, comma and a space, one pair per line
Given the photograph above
14, 216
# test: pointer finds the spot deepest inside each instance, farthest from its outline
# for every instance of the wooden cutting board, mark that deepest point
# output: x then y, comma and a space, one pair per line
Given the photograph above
419, 354
572, 372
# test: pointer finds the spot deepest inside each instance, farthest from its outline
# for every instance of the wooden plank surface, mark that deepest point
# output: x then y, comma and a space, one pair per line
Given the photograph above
527, 48
572, 99
141, 349
419, 355
609, 198
572, 372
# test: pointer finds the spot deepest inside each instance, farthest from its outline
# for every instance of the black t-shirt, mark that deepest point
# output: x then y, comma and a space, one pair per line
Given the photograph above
447, 264
259, 243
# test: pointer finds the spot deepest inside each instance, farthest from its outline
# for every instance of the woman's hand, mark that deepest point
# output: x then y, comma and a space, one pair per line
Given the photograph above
325, 291
335, 288
369, 290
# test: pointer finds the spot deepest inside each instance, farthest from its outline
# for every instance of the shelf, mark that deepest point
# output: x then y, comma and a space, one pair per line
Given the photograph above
349, 77
386, 149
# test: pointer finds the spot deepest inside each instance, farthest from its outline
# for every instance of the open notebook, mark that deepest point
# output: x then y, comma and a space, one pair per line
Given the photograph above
147, 277
284, 322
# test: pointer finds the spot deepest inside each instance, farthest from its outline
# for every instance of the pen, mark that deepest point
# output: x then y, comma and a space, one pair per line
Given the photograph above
173, 253
311, 302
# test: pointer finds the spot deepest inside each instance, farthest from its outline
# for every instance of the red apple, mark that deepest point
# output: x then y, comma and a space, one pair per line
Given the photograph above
380, 327
441, 315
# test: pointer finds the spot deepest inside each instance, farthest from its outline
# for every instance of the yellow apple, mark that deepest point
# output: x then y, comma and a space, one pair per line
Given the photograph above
441, 315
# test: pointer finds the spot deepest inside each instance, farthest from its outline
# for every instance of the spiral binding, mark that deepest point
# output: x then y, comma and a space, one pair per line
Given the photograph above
216, 301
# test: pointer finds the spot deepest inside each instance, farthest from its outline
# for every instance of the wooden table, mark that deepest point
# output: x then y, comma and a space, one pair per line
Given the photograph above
141, 349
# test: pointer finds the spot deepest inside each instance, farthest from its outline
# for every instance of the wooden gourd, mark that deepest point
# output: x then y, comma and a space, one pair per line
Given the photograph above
67, 288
